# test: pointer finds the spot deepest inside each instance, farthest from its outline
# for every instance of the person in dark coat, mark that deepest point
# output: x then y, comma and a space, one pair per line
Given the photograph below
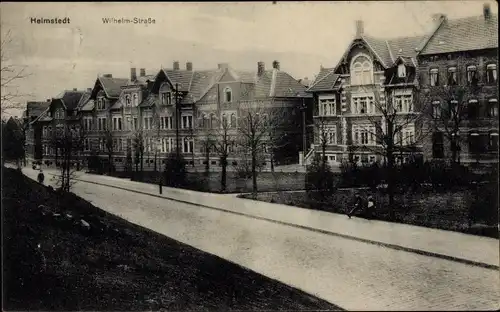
370, 208
358, 204
41, 177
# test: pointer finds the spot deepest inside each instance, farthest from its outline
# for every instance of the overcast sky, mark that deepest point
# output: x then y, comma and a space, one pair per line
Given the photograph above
301, 35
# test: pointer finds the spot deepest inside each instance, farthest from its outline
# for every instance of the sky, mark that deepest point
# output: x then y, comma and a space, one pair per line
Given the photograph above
302, 36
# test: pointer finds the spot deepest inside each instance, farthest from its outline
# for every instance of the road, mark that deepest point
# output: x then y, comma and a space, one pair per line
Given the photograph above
352, 274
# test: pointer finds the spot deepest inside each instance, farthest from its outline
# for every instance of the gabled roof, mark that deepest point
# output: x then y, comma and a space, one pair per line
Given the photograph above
112, 86
386, 50
284, 85
202, 82
463, 34
325, 80
70, 99
181, 77
83, 100
88, 106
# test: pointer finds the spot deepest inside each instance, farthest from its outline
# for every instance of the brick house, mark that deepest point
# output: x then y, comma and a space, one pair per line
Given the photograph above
348, 99
33, 142
62, 113
463, 54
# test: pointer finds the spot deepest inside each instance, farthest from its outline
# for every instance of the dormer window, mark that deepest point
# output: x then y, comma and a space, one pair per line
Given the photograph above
452, 76
228, 95
166, 98
100, 104
401, 71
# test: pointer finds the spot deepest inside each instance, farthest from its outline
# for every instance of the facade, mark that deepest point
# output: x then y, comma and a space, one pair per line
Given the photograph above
350, 99
33, 131
447, 60
119, 110
407, 72
61, 114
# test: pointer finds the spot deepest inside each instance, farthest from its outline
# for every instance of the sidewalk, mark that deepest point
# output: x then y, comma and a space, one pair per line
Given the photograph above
482, 251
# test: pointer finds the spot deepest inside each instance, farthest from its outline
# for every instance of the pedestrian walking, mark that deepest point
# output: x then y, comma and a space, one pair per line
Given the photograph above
41, 177
358, 204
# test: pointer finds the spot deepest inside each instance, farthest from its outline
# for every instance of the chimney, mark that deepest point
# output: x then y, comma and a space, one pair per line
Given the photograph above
108, 75
359, 28
261, 67
133, 74
142, 72
189, 66
276, 65
176, 65
486, 11
223, 65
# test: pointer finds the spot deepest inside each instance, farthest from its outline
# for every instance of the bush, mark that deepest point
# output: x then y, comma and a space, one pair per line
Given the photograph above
319, 178
353, 175
175, 173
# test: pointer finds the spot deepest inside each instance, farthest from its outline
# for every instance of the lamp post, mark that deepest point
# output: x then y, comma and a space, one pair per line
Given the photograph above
160, 182
304, 136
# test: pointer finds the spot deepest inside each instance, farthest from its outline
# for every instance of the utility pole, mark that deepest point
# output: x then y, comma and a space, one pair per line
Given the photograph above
304, 136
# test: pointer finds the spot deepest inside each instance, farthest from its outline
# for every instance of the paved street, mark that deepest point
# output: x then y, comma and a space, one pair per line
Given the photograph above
352, 274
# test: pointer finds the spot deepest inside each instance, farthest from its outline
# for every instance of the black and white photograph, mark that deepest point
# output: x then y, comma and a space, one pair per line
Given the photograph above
250, 156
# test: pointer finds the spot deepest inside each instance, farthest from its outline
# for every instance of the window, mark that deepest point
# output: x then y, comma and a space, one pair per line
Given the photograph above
403, 102
472, 109
361, 71
86, 145
135, 98
475, 143
332, 136
101, 123
224, 120
409, 136
332, 158
493, 144
434, 75
436, 109
101, 105
187, 146
472, 75
364, 135
187, 122
166, 98
166, 122
135, 123
233, 120
437, 145
401, 71
453, 109
327, 106
148, 123
493, 108
87, 123
44, 131
491, 73
127, 100
213, 122
452, 76
372, 159
363, 105
228, 94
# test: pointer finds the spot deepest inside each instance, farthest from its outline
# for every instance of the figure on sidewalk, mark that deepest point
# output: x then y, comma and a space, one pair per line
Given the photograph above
370, 208
358, 204
41, 177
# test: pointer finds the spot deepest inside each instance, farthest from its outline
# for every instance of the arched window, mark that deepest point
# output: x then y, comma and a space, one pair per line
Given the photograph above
233, 120
401, 71
127, 100
228, 94
205, 122
361, 71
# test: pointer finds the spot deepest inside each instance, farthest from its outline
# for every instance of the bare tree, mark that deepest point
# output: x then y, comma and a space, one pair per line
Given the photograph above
323, 139
69, 140
107, 137
138, 144
255, 125
207, 142
10, 74
221, 143
394, 126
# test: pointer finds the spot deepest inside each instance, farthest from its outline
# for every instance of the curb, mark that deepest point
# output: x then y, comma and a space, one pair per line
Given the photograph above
363, 240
